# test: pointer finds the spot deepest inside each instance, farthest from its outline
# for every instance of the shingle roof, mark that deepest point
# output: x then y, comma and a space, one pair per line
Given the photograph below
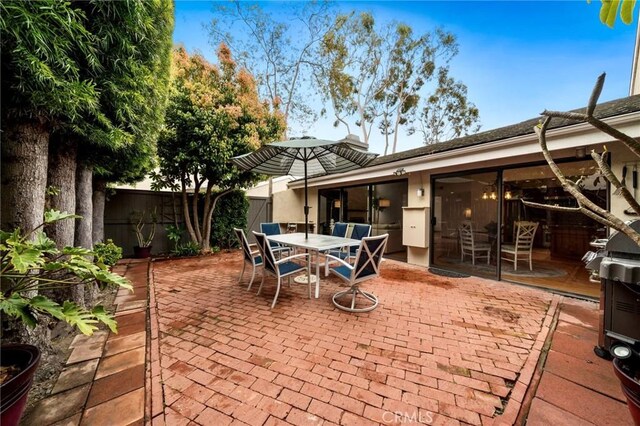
604, 110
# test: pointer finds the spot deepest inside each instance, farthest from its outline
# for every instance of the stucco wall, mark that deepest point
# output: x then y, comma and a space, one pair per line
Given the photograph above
288, 206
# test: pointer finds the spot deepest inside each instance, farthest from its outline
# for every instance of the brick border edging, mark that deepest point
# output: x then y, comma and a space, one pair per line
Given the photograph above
519, 391
154, 401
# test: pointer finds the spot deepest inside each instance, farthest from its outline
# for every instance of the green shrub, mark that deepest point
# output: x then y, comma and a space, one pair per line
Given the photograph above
231, 212
186, 249
107, 253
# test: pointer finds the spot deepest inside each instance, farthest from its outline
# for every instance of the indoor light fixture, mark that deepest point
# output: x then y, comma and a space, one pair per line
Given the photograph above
383, 203
467, 213
337, 204
420, 192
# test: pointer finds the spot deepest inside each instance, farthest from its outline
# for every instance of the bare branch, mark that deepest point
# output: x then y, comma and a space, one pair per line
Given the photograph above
619, 188
595, 94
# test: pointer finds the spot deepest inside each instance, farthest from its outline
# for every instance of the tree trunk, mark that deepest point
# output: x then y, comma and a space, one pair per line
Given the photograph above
84, 205
99, 200
24, 153
84, 208
62, 177
24, 175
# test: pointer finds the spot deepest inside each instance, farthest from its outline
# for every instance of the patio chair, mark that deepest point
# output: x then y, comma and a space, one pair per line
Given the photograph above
340, 229
360, 231
525, 234
366, 267
252, 257
281, 268
469, 246
274, 229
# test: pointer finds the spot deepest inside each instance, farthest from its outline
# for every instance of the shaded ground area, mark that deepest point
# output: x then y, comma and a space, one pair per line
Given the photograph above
577, 387
453, 350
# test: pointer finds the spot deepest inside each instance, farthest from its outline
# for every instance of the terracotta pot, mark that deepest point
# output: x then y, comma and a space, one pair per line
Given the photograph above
631, 389
13, 393
142, 252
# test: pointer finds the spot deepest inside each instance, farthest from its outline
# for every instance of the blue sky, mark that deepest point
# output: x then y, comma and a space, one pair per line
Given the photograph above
516, 58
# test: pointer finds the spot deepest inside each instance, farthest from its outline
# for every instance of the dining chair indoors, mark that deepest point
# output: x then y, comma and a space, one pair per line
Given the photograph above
274, 229
523, 247
251, 257
469, 246
282, 268
366, 267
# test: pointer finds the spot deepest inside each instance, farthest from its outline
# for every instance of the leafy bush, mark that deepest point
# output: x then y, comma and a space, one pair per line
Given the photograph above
31, 264
231, 212
186, 249
107, 253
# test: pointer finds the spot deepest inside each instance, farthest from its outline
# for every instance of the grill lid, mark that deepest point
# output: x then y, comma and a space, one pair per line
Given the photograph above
620, 243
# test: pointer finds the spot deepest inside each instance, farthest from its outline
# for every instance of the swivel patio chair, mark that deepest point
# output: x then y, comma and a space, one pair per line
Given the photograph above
281, 268
366, 267
360, 231
469, 246
251, 257
525, 234
274, 229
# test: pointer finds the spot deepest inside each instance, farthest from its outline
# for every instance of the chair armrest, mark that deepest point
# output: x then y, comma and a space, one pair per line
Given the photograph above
295, 256
350, 266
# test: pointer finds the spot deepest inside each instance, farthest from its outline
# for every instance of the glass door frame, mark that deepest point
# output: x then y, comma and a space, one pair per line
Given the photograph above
500, 192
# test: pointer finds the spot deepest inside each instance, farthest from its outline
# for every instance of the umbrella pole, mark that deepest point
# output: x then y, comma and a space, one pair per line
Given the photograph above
306, 199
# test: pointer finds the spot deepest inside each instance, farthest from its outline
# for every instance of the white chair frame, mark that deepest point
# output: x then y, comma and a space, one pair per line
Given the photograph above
269, 258
525, 234
468, 245
354, 279
249, 256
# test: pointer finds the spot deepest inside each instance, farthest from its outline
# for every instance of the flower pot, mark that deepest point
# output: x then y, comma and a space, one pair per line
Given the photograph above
630, 388
13, 393
142, 252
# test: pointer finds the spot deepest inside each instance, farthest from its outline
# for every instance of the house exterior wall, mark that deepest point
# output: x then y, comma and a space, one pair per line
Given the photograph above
288, 206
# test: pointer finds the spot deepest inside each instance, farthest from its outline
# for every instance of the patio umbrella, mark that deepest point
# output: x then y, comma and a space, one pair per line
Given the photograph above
308, 157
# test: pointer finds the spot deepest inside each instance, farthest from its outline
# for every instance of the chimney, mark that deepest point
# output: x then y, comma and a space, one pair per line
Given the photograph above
354, 142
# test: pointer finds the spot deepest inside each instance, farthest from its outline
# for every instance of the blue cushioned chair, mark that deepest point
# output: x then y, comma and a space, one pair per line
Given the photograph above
253, 258
274, 229
366, 267
284, 267
340, 229
360, 231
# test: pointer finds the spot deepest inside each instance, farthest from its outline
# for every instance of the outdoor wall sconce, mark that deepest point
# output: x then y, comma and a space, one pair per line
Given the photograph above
581, 152
400, 171
337, 204
420, 192
507, 195
467, 213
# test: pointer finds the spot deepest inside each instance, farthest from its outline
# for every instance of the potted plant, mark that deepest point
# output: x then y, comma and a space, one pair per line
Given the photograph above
143, 249
30, 265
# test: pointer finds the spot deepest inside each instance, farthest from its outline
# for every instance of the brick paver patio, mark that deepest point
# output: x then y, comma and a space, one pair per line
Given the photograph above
437, 350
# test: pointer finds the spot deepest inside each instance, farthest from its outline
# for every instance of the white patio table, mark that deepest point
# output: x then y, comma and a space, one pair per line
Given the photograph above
314, 243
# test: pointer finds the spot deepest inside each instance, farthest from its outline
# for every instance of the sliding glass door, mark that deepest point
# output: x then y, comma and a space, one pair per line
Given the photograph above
465, 223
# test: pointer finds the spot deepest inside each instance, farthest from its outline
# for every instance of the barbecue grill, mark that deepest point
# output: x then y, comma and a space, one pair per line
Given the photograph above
618, 269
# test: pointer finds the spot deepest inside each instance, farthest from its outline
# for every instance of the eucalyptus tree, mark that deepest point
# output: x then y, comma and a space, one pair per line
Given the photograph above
45, 49
447, 114
376, 75
214, 113
281, 51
